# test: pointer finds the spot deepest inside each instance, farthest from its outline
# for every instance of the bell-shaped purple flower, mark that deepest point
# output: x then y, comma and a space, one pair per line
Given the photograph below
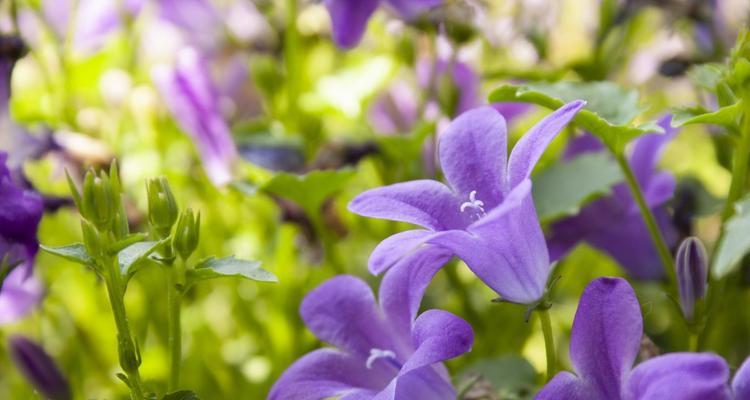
692, 274
349, 17
486, 216
604, 343
193, 99
381, 351
614, 223
39, 368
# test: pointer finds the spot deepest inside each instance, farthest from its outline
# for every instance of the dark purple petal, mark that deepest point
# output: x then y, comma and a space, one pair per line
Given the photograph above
327, 373
349, 20
647, 151
19, 294
404, 285
423, 202
506, 248
409, 9
342, 312
394, 248
684, 376
39, 368
741, 381
472, 154
606, 335
586, 143
529, 149
659, 190
565, 234
566, 386
438, 336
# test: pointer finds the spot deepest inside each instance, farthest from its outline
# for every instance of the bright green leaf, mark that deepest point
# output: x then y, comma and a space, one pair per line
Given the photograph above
707, 76
310, 190
562, 190
130, 256
181, 395
74, 252
230, 266
508, 376
726, 116
735, 243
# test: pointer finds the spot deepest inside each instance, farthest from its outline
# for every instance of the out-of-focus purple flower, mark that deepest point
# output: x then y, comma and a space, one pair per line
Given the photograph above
614, 223
692, 274
486, 216
453, 84
39, 368
604, 343
349, 18
192, 97
395, 110
381, 351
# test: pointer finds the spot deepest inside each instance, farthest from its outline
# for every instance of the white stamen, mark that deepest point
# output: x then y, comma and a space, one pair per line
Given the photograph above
474, 204
376, 354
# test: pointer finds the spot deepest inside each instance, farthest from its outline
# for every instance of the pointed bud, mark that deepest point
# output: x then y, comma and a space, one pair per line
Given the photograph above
162, 207
692, 274
187, 234
95, 246
39, 368
99, 202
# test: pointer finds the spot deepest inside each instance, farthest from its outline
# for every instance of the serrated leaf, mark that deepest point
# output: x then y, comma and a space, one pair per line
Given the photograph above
181, 395
309, 190
75, 252
129, 257
607, 114
230, 266
726, 116
735, 243
561, 190
505, 376
707, 76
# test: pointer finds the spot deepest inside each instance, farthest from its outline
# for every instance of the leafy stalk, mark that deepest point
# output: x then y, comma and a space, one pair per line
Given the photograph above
549, 341
174, 299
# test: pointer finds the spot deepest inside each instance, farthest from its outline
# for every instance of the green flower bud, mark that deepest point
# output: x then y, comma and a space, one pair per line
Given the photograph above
162, 207
99, 202
187, 234
95, 246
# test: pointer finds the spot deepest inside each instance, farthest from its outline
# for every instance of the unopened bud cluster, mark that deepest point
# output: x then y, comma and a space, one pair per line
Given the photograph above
692, 275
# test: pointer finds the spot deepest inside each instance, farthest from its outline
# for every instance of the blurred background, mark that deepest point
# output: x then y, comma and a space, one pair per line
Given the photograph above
234, 100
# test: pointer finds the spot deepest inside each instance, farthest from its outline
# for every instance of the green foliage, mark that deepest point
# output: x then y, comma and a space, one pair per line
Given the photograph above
735, 243
181, 395
74, 252
309, 190
229, 266
509, 377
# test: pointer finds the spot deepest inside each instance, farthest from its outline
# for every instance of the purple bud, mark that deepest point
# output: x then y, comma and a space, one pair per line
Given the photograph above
39, 368
692, 273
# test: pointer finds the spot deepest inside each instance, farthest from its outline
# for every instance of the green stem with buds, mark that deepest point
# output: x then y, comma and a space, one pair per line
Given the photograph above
549, 341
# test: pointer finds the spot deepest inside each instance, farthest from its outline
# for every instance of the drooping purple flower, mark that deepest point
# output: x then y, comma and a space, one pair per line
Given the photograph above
604, 343
39, 368
395, 110
691, 262
614, 223
486, 216
381, 351
349, 17
192, 97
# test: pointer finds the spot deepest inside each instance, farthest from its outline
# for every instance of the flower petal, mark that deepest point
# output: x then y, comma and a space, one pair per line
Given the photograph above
684, 376
566, 386
423, 383
606, 335
342, 312
648, 149
423, 202
409, 9
438, 336
529, 149
741, 381
349, 20
394, 248
326, 373
586, 143
21, 291
472, 153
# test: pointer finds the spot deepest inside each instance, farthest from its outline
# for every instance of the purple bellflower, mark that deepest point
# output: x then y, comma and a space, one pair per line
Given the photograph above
486, 216
381, 351
20, 213
604, 343
349, 17
193, 99
614, 223
39, 368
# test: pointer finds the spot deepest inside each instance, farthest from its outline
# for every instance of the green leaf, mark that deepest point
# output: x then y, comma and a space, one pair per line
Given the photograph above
562, 190
131, 256
707, 76
230, 266
728, 116
181, 395
310, 190
608, 112
508, 376
735, 243
75, 252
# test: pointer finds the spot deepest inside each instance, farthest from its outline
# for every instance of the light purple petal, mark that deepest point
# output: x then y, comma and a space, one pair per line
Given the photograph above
505, 249
423, 383
394, 248
200, 20
606, 335
327, 373
404, 285
409, 9
438, 336
566, 386
648, 149
20, 293
529, 149
659, 190
684, 376
473, 153
511, 111
423, 202
741, 381
349, 20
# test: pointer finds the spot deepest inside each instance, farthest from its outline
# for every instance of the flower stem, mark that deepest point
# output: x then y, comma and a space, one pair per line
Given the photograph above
739, 165
174, 299
549, 341
661, 246
128, 354
693, 342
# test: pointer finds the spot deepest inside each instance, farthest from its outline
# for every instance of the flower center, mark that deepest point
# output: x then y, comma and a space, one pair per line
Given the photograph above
474, 206
377, 354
